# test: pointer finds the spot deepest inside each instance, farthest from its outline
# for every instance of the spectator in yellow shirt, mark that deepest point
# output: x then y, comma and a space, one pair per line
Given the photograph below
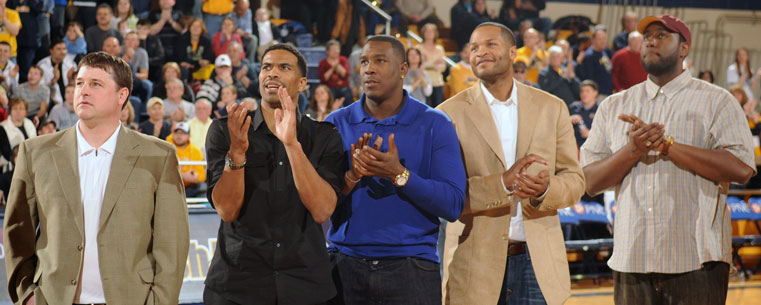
193, 176
11, 25
533, 50
461, 75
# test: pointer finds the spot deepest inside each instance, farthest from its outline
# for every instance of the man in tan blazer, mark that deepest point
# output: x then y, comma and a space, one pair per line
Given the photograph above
96, 214
504, 125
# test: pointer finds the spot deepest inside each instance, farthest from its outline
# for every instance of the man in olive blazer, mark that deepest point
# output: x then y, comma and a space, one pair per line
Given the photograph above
476, 247
142, 232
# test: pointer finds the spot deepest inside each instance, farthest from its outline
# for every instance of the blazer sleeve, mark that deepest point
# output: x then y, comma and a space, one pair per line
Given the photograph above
20, 230
170, 233
482, 196
567, 183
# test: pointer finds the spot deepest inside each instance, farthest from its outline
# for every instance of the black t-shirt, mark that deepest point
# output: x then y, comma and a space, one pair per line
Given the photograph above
587, 116
147, 128
274, 252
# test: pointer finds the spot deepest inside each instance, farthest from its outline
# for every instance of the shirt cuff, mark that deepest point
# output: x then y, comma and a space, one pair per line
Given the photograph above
502, 179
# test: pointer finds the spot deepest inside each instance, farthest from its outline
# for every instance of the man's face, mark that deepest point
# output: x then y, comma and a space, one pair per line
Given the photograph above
58, 52
235, 52
47, 129
635, 43
18, 112
490, 55
203, 110
143, 30
228, 95
69, 97
261, 15
111, 46
531, 38
280, 69
71, 33
131, 41
556, 59
156, 112
661, 49
34, 76
465, 54
97, 96
241, 6
5, 53
381, 71
630, 23
588, 94
103, 16
223, 70
181, 138
599, 40
174, 90
333, 51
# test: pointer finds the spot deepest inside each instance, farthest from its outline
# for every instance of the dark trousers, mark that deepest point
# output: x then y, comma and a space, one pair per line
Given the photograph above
399, 281
705, 286
520, 286
211, 297
437, 96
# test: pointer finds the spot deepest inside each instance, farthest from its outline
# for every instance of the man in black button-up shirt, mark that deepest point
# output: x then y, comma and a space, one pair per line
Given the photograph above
273, 177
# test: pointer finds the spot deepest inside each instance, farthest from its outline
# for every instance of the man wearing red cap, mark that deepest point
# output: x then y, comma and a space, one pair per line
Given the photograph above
670, 146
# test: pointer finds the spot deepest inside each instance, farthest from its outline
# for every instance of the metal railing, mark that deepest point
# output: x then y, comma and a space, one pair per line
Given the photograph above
380, 12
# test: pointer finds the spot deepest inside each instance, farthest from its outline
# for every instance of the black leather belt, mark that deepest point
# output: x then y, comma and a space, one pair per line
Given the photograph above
516, 248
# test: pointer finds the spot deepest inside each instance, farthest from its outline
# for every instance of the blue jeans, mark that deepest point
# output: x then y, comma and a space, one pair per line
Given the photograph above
388, 281
520, 286
213, 23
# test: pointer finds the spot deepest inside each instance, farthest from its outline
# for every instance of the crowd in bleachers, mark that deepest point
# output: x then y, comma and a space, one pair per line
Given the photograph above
191, 59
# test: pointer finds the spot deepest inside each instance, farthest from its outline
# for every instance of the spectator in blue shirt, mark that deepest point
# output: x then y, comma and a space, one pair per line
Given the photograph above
596, 63
405, 173
75, 39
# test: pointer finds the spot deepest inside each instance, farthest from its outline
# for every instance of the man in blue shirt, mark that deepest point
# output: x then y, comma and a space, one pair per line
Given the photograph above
596, 64
405, 173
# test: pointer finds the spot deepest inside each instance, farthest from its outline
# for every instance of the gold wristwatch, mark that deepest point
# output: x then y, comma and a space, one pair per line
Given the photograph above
232, 165
401, 179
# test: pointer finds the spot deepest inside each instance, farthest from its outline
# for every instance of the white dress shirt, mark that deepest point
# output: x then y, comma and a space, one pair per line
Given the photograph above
94, 169
505, 115
265, 32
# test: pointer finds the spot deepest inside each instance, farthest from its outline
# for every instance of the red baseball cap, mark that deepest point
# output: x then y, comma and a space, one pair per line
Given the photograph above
670, 22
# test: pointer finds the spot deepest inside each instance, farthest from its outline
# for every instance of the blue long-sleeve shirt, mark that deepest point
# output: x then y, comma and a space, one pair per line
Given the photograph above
79, 46
379, 220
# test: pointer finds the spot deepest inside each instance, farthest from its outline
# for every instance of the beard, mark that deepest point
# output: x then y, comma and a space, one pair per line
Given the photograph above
661, 66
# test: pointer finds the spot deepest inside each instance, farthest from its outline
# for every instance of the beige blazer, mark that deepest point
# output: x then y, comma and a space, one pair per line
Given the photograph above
143, 235
476, 245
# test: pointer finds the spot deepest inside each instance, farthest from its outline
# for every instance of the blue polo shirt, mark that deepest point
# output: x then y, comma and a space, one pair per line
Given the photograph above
377, 220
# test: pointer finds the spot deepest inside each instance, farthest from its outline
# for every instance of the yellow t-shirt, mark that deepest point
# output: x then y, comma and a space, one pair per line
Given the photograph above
190, 153
460, 78
532, 71
218, 7
13, 17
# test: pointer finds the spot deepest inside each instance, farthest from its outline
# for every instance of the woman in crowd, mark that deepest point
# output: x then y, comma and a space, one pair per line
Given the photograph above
706, 75
16, 128
323, 103
334, 72
124, 19
194, 50
128, 117
168, 71
223, 38
433, 62
417, 83
741, 73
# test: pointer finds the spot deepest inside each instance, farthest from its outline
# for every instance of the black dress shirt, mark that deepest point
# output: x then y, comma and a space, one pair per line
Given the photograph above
274, 252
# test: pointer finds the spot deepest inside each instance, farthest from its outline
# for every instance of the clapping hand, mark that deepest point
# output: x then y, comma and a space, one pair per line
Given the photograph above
521, 183
380, 164
285, 119
643, 137
238, 123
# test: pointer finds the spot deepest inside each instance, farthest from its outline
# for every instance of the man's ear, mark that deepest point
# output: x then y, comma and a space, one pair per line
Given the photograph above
123, 96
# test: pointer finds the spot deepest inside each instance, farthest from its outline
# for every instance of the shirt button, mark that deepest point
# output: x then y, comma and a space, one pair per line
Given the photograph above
504, 236
276, 273
73, 282
277, 245
79, 247
649, 209
280, 163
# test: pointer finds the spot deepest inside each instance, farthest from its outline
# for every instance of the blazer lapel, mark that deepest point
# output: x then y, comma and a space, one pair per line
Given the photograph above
125, 156
66, 163
527, 117
481, 116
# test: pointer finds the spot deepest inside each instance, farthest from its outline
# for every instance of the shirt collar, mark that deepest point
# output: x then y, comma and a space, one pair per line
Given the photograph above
405, 116
491, 100
670, 89
109, 146
259, 118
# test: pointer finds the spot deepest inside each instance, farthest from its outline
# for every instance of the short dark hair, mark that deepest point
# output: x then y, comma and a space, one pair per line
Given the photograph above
590, 83
55, 40
16, 101
5, 43
144, 21
117, 67
396, 45
507, 34
289, 48
105, 5
73, 23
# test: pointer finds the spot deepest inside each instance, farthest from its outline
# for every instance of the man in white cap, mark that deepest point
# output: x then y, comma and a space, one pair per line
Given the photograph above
223, 76
193, 176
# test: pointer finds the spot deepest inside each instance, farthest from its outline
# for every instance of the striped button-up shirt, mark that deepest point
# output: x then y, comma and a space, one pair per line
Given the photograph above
669, 219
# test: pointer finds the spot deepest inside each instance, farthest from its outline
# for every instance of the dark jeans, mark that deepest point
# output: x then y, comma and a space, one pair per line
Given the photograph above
706, 286
211, 297
389, 281
520, 286
437, 96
